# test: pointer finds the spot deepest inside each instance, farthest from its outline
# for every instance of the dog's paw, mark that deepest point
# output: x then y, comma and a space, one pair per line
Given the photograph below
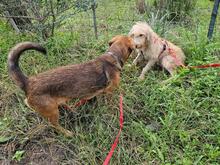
62, 130
141, 77
69, 134
134, 63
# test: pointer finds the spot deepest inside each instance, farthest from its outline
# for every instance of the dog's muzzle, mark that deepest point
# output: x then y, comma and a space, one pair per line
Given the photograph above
138, 46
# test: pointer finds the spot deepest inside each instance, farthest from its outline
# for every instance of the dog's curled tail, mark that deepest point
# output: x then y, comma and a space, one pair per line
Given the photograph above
13, 58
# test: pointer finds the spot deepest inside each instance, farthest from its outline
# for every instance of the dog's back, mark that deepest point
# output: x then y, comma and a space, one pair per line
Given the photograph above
178, 51
71, 81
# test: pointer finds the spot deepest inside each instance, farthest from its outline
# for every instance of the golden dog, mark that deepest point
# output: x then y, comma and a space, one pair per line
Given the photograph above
153, 49
46, 91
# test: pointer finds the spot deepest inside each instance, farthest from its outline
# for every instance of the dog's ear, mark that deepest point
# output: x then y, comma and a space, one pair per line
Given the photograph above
110, 42
148, 37
132, 44
113, 40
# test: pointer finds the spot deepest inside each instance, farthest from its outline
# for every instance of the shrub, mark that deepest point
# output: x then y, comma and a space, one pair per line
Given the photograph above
175, 9
41, 17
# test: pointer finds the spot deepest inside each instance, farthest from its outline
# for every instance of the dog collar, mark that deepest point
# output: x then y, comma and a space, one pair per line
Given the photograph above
119, 63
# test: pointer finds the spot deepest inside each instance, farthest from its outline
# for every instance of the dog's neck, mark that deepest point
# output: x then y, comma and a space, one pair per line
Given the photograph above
119, 61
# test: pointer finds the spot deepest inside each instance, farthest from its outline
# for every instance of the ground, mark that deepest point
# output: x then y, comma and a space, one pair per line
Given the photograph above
177, 122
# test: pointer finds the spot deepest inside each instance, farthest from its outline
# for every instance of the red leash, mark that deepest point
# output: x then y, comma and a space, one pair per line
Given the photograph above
114, 145
80, 102
206, 66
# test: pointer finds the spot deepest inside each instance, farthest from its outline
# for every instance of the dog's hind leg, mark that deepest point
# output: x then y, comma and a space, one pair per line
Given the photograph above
48, 108
168, 63
147, 68
26, 103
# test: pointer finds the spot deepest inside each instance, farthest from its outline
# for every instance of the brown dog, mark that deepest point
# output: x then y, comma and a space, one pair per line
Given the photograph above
46, 91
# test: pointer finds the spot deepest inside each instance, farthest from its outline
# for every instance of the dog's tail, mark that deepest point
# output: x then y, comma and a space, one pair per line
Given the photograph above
13, 66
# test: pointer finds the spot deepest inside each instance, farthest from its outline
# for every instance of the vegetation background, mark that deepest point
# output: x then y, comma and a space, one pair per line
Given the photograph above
173, 123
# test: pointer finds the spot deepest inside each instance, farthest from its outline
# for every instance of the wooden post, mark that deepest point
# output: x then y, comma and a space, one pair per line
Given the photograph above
94, 5
213, 18
141, 6
12, 22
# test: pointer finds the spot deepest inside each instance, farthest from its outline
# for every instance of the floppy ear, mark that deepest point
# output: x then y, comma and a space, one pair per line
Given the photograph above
132, 45
112, 40
148, 36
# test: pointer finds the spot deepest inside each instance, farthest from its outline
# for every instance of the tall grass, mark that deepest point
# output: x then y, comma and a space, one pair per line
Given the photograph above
172, 123
175, 10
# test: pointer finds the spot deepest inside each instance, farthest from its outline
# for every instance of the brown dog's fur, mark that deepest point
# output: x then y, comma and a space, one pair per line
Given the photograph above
47, 90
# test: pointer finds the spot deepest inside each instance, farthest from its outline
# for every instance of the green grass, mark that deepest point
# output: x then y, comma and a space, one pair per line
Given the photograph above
173, 123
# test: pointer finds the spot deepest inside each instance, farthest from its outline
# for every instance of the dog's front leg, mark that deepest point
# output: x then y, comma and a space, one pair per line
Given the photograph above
138, 58
147, 68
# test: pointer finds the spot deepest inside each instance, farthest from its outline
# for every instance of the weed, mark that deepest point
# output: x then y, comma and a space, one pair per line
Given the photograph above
18, 155
172, 123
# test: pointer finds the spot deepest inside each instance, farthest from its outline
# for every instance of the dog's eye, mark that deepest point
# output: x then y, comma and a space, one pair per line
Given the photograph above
141, 35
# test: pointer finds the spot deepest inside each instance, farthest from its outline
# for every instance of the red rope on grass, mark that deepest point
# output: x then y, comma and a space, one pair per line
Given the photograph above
114, 145
215, 65
80, 102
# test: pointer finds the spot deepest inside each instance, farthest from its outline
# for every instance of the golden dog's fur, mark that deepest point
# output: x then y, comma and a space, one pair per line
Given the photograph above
46, 91
153, 49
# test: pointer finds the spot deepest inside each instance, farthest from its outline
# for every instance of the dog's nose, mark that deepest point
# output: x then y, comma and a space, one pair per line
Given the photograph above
137, 46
